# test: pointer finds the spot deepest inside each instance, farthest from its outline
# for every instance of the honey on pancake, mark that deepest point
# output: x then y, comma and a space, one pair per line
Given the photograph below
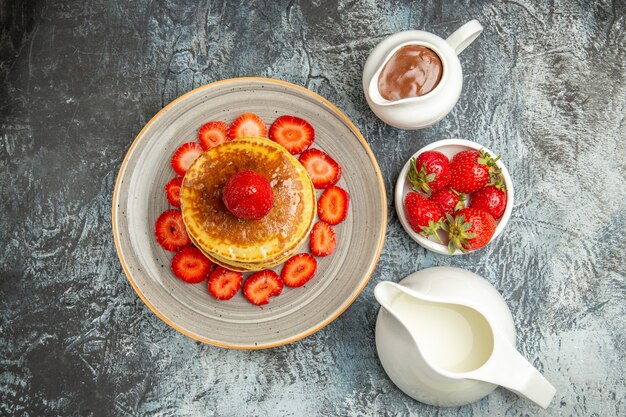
247, 244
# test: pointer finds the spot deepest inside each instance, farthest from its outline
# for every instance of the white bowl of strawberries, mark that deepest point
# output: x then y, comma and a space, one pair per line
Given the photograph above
454, 196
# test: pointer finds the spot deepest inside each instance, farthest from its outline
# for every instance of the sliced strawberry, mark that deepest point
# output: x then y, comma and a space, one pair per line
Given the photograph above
170, 231
298, 270
184, 157
323, 170
323, 239
248, 124
172, 191
224, 283
191, 265
212, 134
332, 206
293, 133
262, 285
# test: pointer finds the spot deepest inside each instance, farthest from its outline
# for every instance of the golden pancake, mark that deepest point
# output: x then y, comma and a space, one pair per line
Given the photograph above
247, 245
245, 267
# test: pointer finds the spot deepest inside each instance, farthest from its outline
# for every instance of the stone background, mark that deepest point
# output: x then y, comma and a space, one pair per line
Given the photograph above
545, 85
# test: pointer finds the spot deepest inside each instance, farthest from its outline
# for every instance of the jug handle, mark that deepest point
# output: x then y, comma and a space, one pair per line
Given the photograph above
464, 36
508, 368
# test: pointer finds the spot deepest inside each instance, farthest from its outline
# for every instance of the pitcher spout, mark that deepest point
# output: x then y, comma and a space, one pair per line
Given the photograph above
385, 292
508, 368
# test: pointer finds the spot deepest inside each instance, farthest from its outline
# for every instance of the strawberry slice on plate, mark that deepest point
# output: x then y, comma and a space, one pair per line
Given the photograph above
212, 134
248, 124
172, 191
323, 170
323, 239
191, 266
224, 283
332, 206
293, 133
184, 157
298, 270
262, 285
170, 231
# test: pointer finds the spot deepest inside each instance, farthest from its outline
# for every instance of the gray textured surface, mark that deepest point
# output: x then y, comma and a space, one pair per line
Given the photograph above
544, 84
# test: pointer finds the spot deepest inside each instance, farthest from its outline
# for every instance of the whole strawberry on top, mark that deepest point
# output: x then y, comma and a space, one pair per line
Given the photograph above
470, 170
423, 215
430, 172
469, 229
491, 198
248, 195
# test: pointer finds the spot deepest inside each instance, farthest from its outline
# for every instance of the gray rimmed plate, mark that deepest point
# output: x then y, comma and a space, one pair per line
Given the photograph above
139, 198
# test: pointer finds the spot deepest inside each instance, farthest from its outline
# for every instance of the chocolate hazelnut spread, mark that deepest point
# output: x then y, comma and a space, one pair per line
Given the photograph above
412, 71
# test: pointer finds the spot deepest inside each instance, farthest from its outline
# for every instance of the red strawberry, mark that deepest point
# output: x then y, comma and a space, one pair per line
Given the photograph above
191, 265
172, 191
248, 124
293, 133
224, 283
449, 200
184, 157
469, 229
170, 231
262, 285
323, 239
248, 195
323, 170
332, 206
212, 134
430, 173
423, 215
298, 270
470, 170
491, 199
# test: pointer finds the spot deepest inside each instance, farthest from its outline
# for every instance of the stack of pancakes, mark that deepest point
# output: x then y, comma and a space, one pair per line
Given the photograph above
248, 245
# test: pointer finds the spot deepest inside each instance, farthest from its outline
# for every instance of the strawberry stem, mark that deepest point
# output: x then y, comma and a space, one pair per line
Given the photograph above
461, 204
431, 229
495, 173
458, 233
419, 179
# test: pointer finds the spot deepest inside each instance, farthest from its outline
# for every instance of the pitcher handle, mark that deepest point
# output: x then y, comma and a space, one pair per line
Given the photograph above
508, 368
464, 36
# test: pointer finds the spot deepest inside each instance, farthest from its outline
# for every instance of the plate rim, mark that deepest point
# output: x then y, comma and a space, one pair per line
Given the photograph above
346, 304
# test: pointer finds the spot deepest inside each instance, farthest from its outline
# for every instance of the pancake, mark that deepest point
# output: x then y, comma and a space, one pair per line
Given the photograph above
245, 267
247, 245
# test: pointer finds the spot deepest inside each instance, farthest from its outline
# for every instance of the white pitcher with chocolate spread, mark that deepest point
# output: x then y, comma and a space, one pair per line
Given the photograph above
413, 79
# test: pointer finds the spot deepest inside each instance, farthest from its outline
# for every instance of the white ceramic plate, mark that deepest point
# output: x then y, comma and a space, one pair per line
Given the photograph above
139, 199
449, 147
